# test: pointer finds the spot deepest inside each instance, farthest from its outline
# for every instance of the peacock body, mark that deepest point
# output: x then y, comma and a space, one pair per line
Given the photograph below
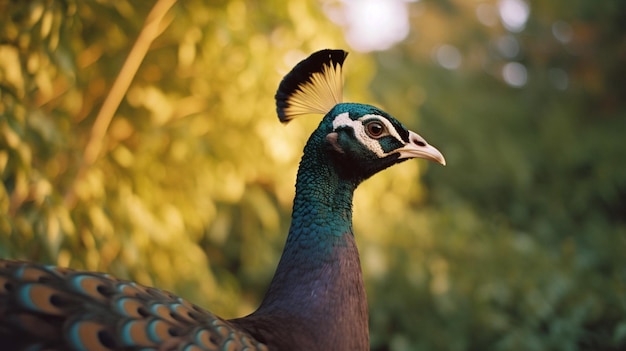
316, 300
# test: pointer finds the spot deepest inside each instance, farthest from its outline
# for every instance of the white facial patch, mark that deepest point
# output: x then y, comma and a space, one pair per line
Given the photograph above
372, 144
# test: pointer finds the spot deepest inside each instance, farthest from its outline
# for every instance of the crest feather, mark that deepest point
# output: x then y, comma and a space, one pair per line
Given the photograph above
315, 85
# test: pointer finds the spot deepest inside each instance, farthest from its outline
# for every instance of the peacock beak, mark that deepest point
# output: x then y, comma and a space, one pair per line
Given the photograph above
417, 147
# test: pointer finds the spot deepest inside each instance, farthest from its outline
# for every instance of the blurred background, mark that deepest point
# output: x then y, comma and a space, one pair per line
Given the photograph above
140, 139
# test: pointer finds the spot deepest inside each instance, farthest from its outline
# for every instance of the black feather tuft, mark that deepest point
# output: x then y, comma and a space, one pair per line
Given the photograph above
313, 86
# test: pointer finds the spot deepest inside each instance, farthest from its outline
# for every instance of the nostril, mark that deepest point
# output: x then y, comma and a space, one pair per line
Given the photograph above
418, 141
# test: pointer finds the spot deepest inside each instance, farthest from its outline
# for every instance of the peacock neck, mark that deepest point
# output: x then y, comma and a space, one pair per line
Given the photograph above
318, 286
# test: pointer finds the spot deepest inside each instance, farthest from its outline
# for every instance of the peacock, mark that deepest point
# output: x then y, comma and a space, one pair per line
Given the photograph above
316, 299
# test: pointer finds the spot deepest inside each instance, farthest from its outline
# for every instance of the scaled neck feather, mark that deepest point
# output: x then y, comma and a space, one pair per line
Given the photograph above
318, 286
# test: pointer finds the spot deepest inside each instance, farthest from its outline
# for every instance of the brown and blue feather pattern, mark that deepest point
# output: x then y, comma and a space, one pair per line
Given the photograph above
51, 308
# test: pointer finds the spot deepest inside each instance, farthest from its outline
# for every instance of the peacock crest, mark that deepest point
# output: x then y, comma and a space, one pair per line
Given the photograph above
315, 85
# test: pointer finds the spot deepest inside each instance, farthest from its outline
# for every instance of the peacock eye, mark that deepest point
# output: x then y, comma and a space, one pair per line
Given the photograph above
375, 129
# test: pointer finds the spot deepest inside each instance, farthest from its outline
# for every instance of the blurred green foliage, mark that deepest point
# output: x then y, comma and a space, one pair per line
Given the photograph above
518, 244
528, 220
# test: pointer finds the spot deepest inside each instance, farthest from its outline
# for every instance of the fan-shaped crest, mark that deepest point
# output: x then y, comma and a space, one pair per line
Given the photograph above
315, 85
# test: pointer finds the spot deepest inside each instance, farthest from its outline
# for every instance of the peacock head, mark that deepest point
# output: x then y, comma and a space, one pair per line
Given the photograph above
360, 139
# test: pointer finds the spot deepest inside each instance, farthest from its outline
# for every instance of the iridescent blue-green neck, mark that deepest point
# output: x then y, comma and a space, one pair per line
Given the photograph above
318, 286
322, 208
321, 221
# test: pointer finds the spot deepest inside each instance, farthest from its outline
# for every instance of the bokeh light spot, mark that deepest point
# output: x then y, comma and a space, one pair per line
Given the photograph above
514, 74
562, 31
508, 46
447, 56
372, 25
514, 14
